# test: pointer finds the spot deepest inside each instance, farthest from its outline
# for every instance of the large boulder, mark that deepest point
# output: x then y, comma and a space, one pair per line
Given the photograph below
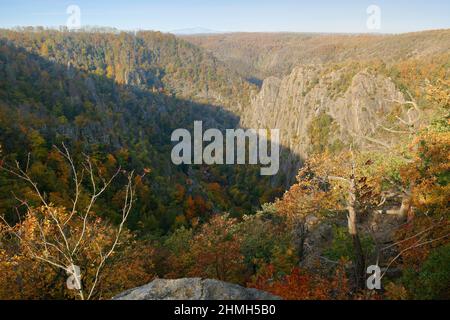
193, 289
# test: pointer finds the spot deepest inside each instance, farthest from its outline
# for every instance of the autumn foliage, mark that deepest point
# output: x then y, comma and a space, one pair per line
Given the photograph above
26, 275
303, 285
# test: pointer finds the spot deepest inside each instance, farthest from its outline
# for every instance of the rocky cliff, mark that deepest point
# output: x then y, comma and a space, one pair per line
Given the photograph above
341, 106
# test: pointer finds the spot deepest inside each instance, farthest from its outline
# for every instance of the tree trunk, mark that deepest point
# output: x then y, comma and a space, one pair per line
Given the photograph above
300, 232
358, 251
403, 212
406, 211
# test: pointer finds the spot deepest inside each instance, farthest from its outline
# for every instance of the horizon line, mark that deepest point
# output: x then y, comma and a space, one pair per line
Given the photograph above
209, 32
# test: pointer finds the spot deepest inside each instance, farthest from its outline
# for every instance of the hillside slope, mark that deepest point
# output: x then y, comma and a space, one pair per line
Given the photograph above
147, 60
120, 102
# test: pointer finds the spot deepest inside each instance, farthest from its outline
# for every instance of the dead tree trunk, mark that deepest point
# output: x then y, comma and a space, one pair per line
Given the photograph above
406, 211
359, 259
300, 234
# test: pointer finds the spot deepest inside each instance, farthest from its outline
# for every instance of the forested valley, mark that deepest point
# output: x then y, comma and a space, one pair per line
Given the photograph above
86, 177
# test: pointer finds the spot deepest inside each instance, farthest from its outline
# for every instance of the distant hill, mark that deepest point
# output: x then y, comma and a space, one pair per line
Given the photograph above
260, 55
194, 31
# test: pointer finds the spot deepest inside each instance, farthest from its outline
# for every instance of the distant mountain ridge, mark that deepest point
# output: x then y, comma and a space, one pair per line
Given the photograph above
194, 31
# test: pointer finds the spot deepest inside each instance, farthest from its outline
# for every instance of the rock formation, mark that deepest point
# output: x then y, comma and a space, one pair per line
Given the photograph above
193, 289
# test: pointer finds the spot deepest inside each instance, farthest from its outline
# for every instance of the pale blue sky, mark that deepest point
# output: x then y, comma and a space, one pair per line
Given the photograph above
233, 15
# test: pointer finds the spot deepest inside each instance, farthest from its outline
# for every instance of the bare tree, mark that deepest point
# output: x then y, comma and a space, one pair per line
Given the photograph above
408, 124
346, 188
352, 221
62, 249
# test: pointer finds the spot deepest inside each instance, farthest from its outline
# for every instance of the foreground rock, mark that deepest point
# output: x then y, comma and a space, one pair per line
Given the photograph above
193, 289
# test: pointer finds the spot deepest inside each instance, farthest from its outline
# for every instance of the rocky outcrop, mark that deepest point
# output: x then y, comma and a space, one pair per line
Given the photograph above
357, 101
193, 289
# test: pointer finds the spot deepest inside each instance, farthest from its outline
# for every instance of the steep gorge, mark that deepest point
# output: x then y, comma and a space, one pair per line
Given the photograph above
325, 92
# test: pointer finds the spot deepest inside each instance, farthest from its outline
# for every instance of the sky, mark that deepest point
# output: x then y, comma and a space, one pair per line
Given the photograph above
344, 16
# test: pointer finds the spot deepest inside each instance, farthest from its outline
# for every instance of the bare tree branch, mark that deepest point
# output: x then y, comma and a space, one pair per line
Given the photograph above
416, 245
42, 248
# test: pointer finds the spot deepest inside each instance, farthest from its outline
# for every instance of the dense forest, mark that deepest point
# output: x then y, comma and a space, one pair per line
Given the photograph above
99, 112
86, 177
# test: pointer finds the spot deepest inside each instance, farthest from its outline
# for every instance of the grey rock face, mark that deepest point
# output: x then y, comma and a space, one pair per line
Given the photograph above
357, 101
193, 289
